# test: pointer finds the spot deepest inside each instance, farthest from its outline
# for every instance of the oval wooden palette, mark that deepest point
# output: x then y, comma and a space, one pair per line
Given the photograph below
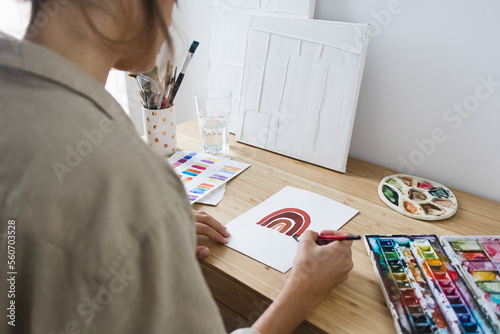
417, 198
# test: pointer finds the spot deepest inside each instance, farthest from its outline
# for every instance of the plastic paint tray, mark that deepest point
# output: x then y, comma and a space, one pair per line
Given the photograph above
477, 259
427, 288
416, 197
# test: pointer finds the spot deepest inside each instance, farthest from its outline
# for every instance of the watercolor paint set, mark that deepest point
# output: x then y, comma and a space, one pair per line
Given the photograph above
439, 285
417, 198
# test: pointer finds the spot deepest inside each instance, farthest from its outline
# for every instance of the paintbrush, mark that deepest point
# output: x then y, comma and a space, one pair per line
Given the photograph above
324, 239
163, 86
184, 67
166, 86
171, 88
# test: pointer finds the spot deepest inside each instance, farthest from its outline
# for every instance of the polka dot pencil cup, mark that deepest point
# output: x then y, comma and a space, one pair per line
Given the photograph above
159, 127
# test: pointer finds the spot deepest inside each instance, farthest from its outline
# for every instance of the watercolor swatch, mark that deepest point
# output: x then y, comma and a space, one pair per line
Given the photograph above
202, 173
417, 198
424, 289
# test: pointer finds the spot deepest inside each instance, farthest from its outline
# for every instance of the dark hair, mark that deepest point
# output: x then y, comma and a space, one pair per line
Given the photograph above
152, 14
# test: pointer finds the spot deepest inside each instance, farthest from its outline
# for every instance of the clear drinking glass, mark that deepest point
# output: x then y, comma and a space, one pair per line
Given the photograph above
213, 107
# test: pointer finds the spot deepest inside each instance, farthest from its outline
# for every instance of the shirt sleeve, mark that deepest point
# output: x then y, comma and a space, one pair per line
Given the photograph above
245, 331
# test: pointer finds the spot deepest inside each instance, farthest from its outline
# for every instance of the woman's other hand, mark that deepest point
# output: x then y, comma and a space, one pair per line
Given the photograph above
208, 226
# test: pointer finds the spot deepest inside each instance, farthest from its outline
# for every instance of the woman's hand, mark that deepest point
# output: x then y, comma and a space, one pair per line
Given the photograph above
206, 225
316, 270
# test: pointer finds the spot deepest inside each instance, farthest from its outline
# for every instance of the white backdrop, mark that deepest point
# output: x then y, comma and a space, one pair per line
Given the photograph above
430, 98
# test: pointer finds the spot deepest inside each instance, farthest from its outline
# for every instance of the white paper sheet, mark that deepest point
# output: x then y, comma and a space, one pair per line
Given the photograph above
214, 197
300, 88
290, 211
229, 39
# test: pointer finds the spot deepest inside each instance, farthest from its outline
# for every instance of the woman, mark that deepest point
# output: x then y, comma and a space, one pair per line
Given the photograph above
104, 235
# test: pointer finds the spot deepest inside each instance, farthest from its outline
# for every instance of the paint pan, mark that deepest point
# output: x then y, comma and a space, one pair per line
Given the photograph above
494, 297
424, 245
388, 249
440, 276
418, 198
429, 255
404, 285
454, 299
467, 256
409, 297
424, 290
485, 275
434, 263
445, 283
466, 245
479, 265
400, 276
392, 258
489, 286
397, 268
415, 309
492, 249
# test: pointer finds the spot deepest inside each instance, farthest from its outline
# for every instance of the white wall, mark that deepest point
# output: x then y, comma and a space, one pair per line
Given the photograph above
424, 75
426, 65
193, 21
14, 17
423, 106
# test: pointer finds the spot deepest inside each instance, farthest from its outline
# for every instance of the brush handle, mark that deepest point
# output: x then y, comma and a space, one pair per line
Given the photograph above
176, 87
184, 67
326, 239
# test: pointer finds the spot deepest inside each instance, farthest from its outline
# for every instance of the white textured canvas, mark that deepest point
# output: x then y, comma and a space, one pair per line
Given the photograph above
300, 89
229, 39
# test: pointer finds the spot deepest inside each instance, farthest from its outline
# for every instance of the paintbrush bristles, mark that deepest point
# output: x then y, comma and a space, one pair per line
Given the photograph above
153, 74
193, 47
168, 70
171, 84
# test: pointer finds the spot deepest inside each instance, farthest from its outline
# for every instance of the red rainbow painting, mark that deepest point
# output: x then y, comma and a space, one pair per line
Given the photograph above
291, 221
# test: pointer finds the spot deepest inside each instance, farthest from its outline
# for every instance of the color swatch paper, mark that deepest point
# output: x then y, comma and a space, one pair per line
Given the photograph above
202, 173
268, 232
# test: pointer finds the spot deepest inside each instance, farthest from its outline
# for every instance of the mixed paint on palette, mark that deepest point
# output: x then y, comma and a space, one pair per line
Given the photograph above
439, 286
417, 198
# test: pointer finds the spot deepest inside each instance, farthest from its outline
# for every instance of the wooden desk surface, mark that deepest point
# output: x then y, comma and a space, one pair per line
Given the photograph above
244, 287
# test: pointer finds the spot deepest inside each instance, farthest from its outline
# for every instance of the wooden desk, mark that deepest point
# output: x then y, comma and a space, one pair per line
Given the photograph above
244, 287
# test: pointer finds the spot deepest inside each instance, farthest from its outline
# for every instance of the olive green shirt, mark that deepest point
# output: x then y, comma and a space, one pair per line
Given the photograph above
101, 234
